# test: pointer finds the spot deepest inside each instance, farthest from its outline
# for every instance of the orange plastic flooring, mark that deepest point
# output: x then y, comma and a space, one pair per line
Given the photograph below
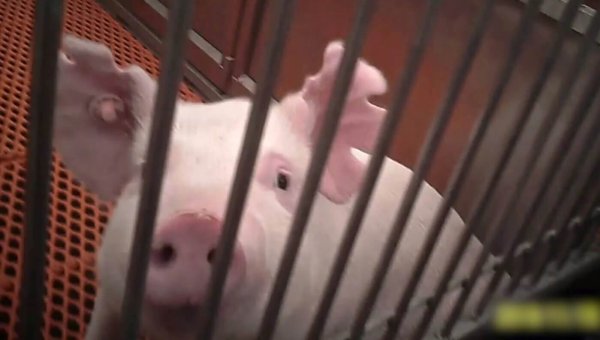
77, 217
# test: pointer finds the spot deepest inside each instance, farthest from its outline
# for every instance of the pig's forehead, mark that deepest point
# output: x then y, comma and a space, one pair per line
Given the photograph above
200, 122
220, 126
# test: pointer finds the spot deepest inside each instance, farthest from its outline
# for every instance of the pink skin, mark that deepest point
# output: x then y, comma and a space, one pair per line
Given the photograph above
180, 262
104, 114
101, 133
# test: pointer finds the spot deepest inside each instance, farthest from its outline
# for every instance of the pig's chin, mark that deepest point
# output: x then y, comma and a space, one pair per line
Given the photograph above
168, 320
186, 297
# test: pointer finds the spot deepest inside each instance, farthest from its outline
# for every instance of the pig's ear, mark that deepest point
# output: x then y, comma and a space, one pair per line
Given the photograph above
99, 108
359, 124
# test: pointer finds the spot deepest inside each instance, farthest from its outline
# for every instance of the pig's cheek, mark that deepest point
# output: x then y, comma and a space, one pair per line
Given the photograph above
113, 255
253, 241
287, 199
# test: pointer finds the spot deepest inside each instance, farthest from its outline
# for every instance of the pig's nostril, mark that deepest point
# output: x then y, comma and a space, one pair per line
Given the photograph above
211, 255
164, 255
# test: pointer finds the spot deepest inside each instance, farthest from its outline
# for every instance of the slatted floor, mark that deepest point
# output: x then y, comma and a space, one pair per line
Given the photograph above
77, 217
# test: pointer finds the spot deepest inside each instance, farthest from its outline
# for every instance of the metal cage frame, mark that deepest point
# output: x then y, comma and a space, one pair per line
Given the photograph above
561, 261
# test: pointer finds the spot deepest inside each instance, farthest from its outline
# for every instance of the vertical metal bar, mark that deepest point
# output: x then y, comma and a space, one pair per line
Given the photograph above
179, 21
434, 233
459, 175
591, 214
433, 140
334, 111
566, 192
570, 192
476, 217
537, 246
581, 238
589, 238
563, 253
389, 125
577, 66
48, 28
282, 19
565, 141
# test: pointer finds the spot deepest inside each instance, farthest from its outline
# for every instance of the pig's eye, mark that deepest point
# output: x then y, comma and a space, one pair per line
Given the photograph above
283, 181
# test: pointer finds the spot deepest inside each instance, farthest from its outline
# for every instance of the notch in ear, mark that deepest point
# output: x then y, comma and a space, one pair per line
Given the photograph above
99, 108
359, 123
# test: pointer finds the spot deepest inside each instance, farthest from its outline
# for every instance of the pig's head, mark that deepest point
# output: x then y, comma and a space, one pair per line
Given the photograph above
101, 132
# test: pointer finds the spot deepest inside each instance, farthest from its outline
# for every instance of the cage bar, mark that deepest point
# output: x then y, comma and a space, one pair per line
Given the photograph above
517, 128
324, 142
587, 230
586, 46
391, 121
536, 246
281, 23
578, 231
578, 234
566, 194
47, 37
423, 164
593, 230
179, 21
558, 156
466, 161
569, 210
433, 234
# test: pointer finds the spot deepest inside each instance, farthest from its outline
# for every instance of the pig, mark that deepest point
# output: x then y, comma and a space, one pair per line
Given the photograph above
102, 123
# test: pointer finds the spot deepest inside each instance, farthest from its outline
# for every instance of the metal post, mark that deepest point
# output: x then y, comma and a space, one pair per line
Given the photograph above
333, 113
389, 125
179, 21
483, 200
569, 192
566, 139
47, 36
283, 15
425, 158
589, 238
565, 142
434, 233
459, 175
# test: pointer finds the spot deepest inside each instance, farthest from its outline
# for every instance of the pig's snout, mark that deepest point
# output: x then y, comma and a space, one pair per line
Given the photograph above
180, 261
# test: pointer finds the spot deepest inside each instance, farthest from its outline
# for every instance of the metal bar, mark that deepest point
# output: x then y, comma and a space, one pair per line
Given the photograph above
385, 137
283, 15
586, 46
565, 229
425, 301
207, 90
559, 154
334, 111
553, 9
459, 175
434, 233
475, 328
591, 216
593, 232
180, 16
567, 191
565, 142
47, 37
492, 183
594, 184
572, 234
583, 237
425, 158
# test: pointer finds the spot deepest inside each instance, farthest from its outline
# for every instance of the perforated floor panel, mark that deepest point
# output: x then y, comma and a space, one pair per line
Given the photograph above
77, 217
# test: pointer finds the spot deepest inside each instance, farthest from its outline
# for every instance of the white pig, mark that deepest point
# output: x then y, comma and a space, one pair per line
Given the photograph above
101, 132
